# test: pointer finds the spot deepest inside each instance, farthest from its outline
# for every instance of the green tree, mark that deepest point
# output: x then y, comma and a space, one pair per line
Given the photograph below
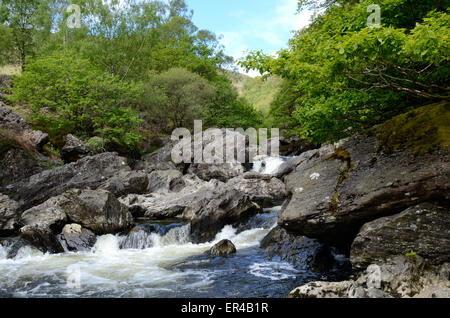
176, 98
347, 76
66, 94
29, 22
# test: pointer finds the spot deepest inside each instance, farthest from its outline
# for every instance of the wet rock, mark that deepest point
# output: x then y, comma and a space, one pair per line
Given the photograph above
338, 188
264, 190
75, 238
73, 150
400, 277
88, 173
305, 253
139, 237
223, 249
13, 245
211, 210
423, 229
96, 210
125, 182
9, 215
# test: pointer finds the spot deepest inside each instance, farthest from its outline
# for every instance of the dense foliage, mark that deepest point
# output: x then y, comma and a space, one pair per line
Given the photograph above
340, 75
128, 59
67, 94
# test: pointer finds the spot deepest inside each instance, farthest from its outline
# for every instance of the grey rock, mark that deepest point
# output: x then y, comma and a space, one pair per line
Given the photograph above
125, 182
17, 164
222, 172
40, 139
223, 249
73, 150
399, 277
338, 188
304, 253
264, 190
423, 229
75, 238
165, 181
9, 215
11, 120
96, 210
88, 173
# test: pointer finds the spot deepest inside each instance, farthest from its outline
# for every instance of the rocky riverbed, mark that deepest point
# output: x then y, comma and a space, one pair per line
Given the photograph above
353, 211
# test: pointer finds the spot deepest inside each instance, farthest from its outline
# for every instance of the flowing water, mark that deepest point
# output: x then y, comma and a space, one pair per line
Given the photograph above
157, 263
168, 265
269, 165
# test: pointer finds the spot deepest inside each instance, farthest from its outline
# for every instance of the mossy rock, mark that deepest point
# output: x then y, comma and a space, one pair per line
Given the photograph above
422, 130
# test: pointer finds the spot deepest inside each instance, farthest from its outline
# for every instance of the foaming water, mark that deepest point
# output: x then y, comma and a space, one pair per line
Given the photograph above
171, 266
268, 165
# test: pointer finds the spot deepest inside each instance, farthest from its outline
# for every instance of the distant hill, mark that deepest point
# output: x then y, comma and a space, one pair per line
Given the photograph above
238, 79
259, 92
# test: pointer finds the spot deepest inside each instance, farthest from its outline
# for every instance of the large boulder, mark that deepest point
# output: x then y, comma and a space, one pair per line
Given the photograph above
209, 206
399, 277
219, 171
96, 210
304, 253
161, 159
222, 249
125, 182
87, 173
73, 150
338, 188
164, 181
164, 204
423, 229
17, 164
262, 189
75, 238
9, 215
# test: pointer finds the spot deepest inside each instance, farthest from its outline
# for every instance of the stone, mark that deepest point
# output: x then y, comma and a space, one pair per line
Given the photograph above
263, 190
95, 210
88, 173
75, 238
423, 229
9, 215
338, 188
125, 182
223, 249
73, 150
304, 253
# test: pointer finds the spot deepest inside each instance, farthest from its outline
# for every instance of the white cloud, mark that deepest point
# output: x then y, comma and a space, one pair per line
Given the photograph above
269, 29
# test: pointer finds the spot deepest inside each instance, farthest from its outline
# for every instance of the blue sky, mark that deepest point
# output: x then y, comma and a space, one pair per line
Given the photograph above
249, 24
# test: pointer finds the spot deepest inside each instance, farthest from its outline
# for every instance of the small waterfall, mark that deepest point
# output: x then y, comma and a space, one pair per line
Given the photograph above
150, 235
268, 165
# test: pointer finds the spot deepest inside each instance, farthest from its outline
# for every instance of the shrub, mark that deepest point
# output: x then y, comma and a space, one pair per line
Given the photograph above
66, 94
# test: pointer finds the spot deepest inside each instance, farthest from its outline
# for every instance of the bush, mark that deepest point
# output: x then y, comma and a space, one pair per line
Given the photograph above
66, 94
